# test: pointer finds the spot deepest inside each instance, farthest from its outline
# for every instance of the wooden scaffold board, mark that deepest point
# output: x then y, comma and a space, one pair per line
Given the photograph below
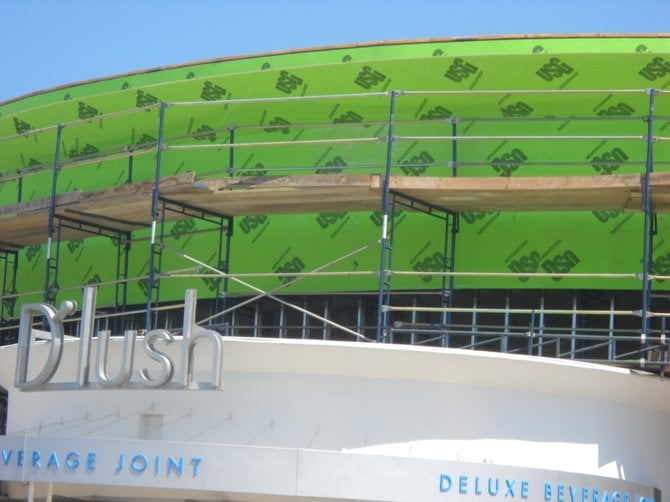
128, 207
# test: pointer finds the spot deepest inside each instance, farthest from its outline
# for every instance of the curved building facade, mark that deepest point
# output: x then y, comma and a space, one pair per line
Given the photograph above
300, 419
407, 257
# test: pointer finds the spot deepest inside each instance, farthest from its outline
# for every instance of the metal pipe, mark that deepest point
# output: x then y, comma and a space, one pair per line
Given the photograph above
34, 132
154, 213
474, 329
484, 310
282, 321
279, 99
382, 317
52, 211
611, 351
305, 330
76, 163
518, 138
648, 237
231, 156
520, 274
503, 340
534, 91
274, 143
573, 332
540, 343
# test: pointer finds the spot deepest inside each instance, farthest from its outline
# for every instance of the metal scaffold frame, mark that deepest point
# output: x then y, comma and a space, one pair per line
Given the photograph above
389, 201
224, 224
10, 265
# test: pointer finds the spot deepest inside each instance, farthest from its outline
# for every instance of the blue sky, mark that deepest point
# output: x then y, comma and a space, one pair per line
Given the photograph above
52, 42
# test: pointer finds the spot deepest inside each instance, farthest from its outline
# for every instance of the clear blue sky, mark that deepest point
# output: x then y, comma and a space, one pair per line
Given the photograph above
51, 42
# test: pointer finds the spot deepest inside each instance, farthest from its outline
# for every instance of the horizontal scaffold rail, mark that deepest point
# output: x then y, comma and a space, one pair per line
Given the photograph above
485, 310
127, 207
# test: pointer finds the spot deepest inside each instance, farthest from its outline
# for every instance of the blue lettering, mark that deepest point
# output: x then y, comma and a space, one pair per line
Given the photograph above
606, 496
510, 488
72, 460
625, 497
90, 462
196, 464
463, 484
478, 490
560, 489
595, 493
36, 458
6, 455
524, 489
139, 463
157, 466
19, 458
173, 465
547, 491
445, 482
616, 497
585, 494
497, 487
120, 466
53, 461
574, 493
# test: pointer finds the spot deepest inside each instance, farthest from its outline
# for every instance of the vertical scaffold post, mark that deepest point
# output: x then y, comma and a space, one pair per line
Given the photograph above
382, 314
11, 266
231, 151
154, 217
649, 226
129, 179
388, 335
221, 300
158, 265
121, 288
450, 230
50, 280
448, 265
454, 146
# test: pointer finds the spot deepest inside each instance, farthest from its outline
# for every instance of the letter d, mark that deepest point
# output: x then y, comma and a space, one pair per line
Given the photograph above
445, 483
55, 319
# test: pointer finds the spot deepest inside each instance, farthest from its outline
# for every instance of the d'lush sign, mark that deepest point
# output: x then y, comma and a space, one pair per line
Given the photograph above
162, 376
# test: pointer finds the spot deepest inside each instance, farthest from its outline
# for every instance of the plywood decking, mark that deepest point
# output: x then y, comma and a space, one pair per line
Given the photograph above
128, 207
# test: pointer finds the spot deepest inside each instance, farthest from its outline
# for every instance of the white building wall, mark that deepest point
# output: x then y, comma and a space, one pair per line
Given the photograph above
382, 400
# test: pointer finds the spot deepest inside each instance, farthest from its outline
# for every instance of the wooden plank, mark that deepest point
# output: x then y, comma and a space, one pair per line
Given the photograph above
130, 201
282, 194
39, 204
128, 207
566, 193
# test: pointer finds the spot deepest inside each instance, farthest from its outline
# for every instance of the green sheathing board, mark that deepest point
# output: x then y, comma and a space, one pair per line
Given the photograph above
96, 140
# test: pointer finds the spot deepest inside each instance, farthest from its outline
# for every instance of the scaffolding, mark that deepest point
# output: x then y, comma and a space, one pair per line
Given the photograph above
217, 196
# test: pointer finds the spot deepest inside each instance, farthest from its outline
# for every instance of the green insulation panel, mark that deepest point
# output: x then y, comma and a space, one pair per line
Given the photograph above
514, 107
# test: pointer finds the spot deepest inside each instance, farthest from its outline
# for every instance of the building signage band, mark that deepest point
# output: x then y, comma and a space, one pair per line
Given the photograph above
291, 472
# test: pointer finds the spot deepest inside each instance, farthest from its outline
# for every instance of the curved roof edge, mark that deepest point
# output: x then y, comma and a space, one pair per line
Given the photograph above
379, 43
